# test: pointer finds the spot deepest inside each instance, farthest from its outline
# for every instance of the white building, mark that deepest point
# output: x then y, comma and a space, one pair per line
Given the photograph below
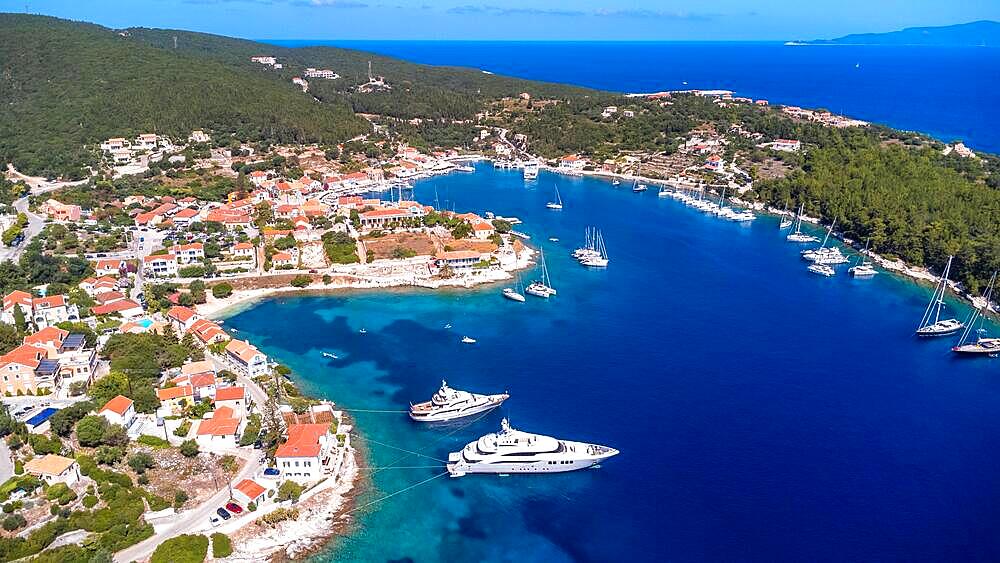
306, 454
54, 469
247, 359
120, 410
160, 265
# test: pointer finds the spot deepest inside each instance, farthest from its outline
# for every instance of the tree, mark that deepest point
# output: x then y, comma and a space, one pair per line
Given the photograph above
42, 445
222, 290
115, 435
289, 490
10, 338
19, 321
62, 421
300, 280
90, 430
8, 424
189, 448
221, 546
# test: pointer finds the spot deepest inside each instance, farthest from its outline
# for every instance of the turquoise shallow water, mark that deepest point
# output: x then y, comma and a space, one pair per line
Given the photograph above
762, 412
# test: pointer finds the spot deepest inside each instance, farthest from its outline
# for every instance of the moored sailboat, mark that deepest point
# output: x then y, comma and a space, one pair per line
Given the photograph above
797, 235
543, 287
982, 345
557, 204
864, 267
931, 323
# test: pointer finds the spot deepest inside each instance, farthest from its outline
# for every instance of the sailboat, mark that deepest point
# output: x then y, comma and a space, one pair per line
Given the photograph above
824, 254
543, 287
514, 294
786, 221
597, 256
864, 267
636, 186
797, 235
557, 204
931, 323
981, 345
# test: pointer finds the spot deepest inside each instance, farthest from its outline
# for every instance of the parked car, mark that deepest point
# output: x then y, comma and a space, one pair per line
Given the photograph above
234, 508
271, 472
223, 513
215, 521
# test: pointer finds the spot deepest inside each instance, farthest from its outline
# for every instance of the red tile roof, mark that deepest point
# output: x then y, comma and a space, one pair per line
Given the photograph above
174, 392
230, 393
250, 488
303, 440
118, 405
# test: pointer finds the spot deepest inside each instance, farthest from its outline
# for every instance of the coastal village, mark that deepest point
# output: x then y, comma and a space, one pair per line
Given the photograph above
220, 442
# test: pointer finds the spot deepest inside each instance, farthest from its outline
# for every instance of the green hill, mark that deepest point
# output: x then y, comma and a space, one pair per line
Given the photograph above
65, 84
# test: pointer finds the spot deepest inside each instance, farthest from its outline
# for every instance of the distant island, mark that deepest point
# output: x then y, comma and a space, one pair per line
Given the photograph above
983, 33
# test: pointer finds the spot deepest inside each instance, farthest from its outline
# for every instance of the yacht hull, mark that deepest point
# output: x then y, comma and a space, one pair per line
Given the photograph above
458, 468
492, 402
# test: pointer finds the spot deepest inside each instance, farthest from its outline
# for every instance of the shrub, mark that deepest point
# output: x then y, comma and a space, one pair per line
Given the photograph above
300, 280
108, 455
180, 497
184, 548
140, 462
153, 442
221, 546
90, 501
55, 491
289, 490
13, 522
189, 448
279, 515
182, 430
18, 467
42, 444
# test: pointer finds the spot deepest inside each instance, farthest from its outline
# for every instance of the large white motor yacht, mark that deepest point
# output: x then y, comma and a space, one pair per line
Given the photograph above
451, 404
512, 451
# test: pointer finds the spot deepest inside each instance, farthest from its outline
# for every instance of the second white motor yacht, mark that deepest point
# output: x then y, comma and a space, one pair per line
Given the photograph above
451, 404
513, 451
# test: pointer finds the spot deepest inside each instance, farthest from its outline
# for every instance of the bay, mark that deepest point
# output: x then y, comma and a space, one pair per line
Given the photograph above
762, 412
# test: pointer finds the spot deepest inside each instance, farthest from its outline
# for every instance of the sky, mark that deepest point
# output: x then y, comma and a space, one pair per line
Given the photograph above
586, 20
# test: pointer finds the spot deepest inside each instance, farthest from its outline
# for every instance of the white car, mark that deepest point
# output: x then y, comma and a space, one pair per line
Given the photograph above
215, 521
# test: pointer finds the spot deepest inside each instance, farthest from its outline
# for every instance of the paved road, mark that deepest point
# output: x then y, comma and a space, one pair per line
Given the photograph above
189, 520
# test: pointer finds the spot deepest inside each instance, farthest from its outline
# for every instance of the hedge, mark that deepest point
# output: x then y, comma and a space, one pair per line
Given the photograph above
221, 546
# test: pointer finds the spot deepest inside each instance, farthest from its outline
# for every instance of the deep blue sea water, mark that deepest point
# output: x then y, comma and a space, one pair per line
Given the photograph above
950, 93
763, 413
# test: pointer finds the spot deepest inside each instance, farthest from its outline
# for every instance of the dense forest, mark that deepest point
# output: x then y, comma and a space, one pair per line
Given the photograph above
66, 85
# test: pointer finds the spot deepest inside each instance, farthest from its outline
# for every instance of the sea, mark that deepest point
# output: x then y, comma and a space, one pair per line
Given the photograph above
763, 413
950, 93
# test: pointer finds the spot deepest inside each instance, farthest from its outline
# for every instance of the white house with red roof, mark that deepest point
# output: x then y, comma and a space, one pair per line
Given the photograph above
219, 430
207, 332
182, 318
572, 162
714, 163
120, 410
160, 265
234, 397
247, 359
93, 286
483, 230
306, 454
249, 491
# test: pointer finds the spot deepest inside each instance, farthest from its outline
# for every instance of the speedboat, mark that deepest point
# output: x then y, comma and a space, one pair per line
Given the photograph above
553, 239
451, 404
513, 451
468, 340
821, 269
363, 331
616, 182
512, 294
330, 355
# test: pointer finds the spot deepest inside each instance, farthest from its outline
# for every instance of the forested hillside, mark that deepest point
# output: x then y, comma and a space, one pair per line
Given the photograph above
66, 84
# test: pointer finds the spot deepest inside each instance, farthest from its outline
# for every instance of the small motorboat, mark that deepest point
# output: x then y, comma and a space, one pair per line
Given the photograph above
468, 340
447, 326
363, 331
553, 239
330, 355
